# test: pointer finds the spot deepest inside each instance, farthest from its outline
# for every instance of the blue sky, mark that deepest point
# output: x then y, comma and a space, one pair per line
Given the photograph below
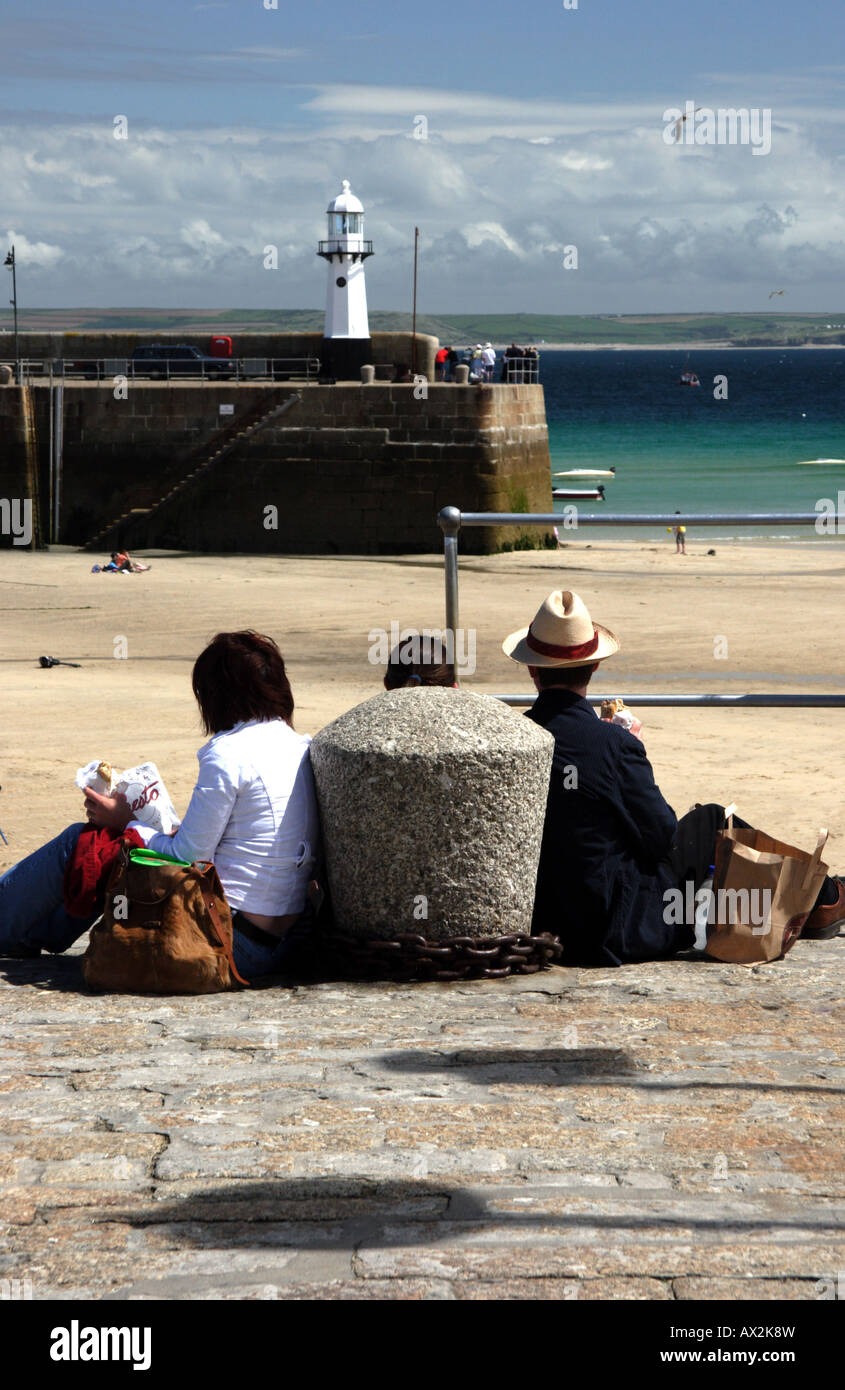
544, 130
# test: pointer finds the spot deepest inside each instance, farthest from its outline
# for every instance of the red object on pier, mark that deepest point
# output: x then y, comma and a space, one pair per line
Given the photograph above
220, 346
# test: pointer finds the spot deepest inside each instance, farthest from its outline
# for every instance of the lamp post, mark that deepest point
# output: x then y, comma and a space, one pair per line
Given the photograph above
10, 262
414, 326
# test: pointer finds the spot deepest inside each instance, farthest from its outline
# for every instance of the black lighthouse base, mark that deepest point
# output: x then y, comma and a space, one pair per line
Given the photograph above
343, 358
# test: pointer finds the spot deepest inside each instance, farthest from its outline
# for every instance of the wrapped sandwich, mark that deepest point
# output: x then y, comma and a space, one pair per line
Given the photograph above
143, 788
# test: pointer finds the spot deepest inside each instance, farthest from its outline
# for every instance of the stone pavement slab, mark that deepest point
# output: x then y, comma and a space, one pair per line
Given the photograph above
665, 1131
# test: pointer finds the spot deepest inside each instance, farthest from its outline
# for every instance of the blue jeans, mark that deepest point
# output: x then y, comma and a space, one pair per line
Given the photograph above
32, 910
253, 959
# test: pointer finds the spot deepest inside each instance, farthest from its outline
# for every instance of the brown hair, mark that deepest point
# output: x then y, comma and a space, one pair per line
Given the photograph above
570, 676
419, 661
241, 676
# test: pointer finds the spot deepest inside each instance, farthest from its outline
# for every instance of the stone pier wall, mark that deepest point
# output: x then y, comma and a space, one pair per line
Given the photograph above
348, 469
20, 474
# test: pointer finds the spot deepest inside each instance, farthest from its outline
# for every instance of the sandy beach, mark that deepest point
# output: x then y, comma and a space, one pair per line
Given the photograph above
778, 606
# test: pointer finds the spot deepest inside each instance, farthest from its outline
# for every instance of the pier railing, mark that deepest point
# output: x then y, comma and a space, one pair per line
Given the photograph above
104, 369
451, 520
520, 371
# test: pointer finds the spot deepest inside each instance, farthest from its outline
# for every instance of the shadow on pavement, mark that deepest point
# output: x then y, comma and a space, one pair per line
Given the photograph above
387, 1213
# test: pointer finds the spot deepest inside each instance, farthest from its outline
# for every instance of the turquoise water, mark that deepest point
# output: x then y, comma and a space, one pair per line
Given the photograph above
678, 447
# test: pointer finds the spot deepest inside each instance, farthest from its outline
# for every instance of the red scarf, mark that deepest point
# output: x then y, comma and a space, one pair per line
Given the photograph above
89, 867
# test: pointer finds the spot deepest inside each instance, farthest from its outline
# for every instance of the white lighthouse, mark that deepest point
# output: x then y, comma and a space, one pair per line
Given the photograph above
346, 342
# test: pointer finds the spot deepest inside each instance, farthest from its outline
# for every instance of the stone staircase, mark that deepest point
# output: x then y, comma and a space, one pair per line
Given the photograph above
204, 459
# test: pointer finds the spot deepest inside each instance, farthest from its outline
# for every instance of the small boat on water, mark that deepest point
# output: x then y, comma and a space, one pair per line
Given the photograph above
805, 463
586, 473
580, 494
688, 378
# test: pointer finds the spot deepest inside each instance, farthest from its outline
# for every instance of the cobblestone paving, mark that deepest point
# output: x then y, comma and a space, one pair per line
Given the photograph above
669, 1131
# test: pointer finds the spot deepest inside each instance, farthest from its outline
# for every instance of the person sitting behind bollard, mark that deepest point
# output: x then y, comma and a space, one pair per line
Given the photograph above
419, 659
253, 813
611, 845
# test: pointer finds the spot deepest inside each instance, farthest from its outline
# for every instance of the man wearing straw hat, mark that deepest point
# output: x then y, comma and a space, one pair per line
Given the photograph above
611, 845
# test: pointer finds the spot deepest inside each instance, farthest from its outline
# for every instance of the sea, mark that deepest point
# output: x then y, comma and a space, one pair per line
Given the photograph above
684, 448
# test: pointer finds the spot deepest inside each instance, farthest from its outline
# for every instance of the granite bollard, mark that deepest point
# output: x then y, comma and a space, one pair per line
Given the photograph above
432, 803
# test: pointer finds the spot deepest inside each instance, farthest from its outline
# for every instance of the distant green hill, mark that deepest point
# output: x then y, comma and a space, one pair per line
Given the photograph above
655, 330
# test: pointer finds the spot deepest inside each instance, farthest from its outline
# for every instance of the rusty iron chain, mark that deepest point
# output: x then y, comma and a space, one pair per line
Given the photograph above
412, 957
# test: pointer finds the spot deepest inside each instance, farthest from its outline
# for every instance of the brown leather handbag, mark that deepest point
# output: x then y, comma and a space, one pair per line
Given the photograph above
166, 929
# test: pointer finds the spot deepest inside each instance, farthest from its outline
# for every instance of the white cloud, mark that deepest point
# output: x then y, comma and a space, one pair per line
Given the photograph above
181, 216
33, 253
264, 53
477, 233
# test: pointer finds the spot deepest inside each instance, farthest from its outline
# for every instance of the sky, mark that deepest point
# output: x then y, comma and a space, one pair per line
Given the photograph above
508, 131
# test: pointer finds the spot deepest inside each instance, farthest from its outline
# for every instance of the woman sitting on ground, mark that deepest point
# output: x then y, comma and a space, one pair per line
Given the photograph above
418, 660
253, 813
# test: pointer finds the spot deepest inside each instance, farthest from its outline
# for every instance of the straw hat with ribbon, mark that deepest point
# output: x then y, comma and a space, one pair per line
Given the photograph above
562, 634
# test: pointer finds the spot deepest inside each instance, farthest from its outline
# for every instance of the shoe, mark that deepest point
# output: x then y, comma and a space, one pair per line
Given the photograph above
824, 922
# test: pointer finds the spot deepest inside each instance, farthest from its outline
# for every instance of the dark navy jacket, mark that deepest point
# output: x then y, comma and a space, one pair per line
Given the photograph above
603, 869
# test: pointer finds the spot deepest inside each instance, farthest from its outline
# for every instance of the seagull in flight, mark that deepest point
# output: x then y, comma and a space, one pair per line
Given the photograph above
774, 292
678, 126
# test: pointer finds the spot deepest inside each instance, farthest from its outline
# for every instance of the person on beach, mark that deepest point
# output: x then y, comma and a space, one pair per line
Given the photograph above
253, 813
121, 562
680, 534
418, 660
612, 846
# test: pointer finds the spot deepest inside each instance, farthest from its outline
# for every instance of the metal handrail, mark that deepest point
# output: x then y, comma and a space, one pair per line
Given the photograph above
758, 700
331, 248
451, 519
520, 371
239, 369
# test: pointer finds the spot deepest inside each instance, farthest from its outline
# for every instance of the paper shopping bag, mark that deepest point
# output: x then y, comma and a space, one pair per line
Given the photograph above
763, 892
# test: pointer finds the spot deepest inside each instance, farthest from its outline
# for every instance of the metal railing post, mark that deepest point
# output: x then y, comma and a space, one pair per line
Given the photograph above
449, 521
50, 522
58, 462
